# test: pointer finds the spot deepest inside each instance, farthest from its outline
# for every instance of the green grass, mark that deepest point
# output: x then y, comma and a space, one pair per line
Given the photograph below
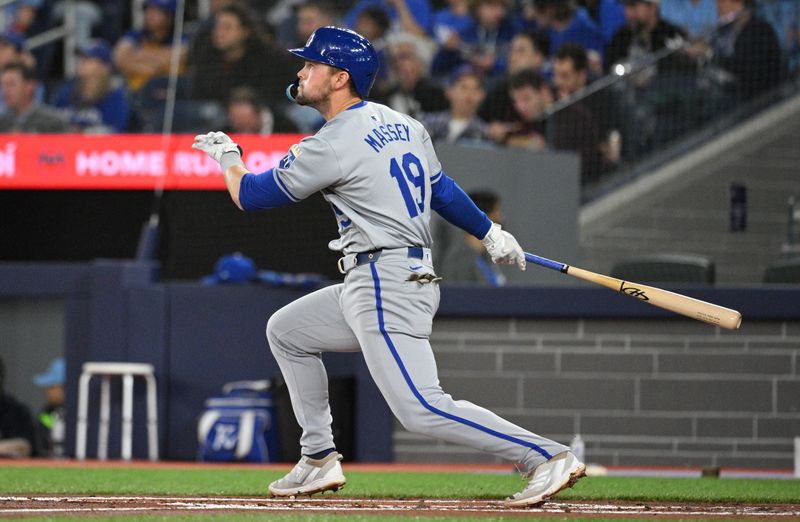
244, 482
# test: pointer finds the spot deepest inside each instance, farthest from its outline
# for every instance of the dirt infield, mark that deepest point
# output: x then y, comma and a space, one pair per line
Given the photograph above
21, 506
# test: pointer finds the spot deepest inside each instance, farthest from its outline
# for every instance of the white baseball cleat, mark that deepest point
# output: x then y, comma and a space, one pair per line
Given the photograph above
311, 476
557, 474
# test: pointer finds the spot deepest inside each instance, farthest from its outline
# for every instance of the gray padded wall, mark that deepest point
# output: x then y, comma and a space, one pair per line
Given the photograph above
539, 194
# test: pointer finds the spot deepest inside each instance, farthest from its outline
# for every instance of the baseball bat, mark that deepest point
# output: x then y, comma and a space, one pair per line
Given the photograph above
680, 304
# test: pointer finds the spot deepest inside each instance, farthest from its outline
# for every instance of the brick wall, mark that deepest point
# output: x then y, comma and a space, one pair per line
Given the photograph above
640, 392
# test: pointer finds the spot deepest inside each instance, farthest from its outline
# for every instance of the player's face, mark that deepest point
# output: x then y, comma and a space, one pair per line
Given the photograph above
315, 83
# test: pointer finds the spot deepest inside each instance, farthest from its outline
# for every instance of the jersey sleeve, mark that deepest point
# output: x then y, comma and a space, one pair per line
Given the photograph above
450, 201
308, 167
434, 165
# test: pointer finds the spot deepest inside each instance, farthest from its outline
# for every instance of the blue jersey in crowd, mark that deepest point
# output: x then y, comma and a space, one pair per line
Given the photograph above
108, 114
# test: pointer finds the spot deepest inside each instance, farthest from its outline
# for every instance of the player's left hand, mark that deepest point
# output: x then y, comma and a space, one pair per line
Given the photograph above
215, 144
503, 247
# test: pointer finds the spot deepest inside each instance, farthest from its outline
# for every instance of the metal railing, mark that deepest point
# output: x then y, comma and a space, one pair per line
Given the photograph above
65, 32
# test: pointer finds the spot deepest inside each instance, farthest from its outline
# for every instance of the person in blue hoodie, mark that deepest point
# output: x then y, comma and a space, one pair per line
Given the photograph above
95, 101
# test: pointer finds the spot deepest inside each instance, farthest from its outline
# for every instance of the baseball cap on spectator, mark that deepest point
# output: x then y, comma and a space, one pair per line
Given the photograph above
53, 376
233, 268
96, 48
12, 38
169, 6
461, 71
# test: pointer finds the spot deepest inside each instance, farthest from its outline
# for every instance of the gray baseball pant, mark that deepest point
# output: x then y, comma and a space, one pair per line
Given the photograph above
377, 311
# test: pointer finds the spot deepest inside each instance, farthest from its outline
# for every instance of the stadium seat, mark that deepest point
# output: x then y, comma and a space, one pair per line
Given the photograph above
783, 271
666, 268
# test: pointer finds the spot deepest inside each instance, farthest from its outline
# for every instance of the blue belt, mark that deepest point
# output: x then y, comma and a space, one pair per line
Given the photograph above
370, 257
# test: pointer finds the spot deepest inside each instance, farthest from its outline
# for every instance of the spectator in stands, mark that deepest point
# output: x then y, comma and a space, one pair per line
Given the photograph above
530, 96
312, 15
373, 24
660, 101
567, 24
643, 34
95, 101
203, 32
247, 114
783, 17
460, 123
407, 16
240, 55
697, 17
571, 128
528, 50
466, 260
143, 55
17, 435
50, 426
748, 49
23, 113
483, 44
570, 70
21, 16
411, 91
12, 51
577, 126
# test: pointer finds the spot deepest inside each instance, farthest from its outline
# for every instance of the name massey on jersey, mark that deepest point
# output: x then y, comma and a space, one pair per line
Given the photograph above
384, 134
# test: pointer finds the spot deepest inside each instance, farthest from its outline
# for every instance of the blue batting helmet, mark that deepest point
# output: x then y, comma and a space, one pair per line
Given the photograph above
346, 50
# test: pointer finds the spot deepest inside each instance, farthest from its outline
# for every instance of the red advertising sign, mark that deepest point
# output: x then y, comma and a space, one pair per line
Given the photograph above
125, 161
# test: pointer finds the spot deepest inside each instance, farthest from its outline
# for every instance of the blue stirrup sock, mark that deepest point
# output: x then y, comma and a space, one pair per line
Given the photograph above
321, 454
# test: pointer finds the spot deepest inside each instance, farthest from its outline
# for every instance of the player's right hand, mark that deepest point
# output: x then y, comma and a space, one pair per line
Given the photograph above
503, 247
215, 144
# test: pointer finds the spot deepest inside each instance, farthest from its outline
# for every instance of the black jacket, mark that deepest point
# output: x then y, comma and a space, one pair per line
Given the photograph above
619, 48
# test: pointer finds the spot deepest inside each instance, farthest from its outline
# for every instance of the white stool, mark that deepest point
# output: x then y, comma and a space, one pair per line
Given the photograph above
127, 371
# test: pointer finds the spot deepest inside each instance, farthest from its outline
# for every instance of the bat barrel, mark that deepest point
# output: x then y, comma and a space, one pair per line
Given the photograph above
680, 304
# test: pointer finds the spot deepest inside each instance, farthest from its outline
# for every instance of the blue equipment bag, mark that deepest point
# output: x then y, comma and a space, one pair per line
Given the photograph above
239, 425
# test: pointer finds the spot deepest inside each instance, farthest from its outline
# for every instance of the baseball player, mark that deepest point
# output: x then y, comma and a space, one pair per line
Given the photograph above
378, 170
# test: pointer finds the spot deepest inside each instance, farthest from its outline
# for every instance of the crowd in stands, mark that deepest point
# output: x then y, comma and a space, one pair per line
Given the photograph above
475, 71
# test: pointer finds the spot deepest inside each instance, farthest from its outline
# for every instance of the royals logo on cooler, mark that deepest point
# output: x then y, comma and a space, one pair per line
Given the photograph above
8, 157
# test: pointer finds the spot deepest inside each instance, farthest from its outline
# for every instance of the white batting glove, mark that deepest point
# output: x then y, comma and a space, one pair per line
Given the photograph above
503, 248
216, 144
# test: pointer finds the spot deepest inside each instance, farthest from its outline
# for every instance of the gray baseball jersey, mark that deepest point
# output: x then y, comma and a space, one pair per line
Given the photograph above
376, 167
